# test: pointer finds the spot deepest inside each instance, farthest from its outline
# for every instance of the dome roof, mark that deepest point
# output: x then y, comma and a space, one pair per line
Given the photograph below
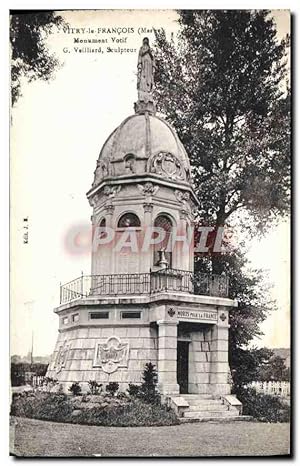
143, 143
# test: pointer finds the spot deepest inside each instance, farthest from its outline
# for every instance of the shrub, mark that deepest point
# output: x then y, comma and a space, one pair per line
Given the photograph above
265, 408
42, 405
112, 388
133, 390
132, 414
62, 408
148, 390
138, 413
75, 389
49, 383
60, 389
94, 387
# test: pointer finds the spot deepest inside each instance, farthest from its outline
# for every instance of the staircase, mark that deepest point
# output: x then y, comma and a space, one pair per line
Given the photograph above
200, 408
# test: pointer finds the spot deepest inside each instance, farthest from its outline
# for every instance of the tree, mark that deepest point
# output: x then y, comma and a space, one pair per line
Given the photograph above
223, 84
148, 389
274, 370
248, 287
247, 364
19, 369
221, 87
30, 57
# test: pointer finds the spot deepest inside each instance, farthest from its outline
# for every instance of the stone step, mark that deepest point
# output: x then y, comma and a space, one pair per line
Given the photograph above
208, 407
196, 402
184, 420
191, 396
203, 414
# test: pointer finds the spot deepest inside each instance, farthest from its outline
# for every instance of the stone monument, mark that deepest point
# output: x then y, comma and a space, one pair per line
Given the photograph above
138, 304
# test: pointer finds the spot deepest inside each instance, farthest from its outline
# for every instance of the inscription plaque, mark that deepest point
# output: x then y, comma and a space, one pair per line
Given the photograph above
193, 315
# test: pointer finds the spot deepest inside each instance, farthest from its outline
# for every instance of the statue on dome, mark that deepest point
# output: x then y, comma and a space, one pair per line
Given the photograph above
145, 76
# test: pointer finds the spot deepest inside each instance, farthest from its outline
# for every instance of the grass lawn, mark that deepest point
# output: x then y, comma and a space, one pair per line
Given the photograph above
30, 437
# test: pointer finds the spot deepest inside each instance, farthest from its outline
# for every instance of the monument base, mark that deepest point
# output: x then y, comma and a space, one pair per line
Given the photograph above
142, 107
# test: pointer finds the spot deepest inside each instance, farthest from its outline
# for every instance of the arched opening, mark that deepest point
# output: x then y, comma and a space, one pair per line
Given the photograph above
164, 222
102, 226
129, 220
129, 160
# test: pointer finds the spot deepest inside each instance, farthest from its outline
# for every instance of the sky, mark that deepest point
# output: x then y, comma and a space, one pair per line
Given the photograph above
57, 131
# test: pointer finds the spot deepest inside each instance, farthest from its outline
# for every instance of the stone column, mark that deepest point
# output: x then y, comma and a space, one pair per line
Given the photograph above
167, 357
109, 209
219, 369
146, 257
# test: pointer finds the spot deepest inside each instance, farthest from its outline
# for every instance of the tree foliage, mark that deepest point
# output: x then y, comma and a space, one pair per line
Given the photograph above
30, 57
18, 370
275, 370
249, 288
222, 85
264, 408
247, 364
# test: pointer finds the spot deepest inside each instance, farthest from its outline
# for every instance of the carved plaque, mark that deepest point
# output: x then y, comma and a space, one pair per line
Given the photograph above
167, 165
111, 355
111, 191
61, 357
148, 189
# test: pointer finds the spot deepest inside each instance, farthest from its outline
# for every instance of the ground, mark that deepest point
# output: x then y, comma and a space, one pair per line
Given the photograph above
31, 437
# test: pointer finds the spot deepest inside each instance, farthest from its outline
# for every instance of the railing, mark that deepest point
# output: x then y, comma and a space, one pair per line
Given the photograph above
120, 284
210, 284
276, 388
171, 280
37, 380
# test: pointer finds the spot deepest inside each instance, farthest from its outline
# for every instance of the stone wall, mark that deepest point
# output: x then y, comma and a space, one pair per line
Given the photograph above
219, 376
74, 356
199, 361
107, 259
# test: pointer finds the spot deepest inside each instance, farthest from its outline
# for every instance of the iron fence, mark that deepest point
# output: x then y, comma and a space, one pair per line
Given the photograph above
169, 280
